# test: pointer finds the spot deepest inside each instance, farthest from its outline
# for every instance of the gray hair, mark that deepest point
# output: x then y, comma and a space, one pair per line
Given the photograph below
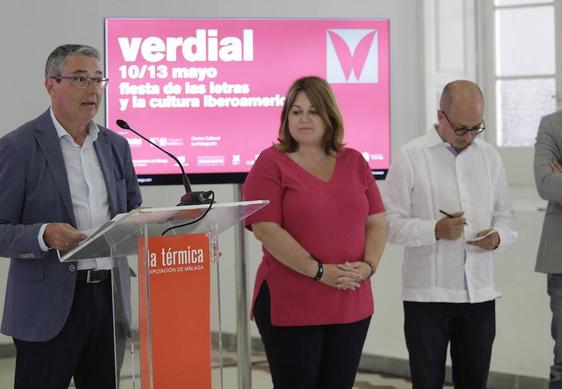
57, 58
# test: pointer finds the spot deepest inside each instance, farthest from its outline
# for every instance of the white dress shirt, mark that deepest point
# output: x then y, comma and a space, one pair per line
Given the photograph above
87, 187
428, 176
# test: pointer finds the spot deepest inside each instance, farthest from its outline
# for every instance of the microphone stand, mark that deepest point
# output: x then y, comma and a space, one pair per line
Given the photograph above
190, 197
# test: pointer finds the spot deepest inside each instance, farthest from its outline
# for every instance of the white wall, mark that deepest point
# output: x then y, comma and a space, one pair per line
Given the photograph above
31, 29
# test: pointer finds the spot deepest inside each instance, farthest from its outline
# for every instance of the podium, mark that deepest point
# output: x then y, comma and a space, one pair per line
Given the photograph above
166, 292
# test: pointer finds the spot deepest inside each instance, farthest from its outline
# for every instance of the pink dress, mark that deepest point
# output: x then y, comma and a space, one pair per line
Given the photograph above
328, 220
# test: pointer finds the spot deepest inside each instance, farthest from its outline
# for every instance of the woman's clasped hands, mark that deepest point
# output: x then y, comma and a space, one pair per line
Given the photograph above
346, 276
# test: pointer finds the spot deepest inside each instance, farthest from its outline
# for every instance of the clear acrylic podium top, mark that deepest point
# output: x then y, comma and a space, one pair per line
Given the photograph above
119, 236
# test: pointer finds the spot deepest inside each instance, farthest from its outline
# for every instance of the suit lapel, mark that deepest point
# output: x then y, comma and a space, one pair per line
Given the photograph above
103, 150
48, 140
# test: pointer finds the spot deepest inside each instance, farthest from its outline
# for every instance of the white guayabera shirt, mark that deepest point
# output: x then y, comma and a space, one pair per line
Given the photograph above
429, 176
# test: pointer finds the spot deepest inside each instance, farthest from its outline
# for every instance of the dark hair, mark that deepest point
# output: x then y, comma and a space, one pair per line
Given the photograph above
322, 98
57, 58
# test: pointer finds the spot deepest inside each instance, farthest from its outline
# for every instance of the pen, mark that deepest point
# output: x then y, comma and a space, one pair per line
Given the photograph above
449, 215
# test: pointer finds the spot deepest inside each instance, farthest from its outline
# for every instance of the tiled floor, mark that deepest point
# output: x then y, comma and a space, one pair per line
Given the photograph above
260, 377
262, 380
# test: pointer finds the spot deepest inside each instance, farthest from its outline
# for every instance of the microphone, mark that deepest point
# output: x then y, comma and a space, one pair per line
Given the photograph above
190, 197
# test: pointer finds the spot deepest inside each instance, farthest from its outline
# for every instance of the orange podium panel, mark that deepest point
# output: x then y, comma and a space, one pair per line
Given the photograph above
174, 312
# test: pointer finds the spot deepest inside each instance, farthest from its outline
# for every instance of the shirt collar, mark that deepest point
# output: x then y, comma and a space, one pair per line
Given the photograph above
93, 129
434, 140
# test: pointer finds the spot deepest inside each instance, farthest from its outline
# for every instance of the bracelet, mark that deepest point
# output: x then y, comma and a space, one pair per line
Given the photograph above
372, 266
320, 271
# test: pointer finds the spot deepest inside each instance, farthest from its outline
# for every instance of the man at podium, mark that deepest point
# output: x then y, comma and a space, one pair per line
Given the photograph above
60, 174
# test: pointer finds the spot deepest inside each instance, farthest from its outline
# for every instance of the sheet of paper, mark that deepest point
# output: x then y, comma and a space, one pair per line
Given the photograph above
476, 239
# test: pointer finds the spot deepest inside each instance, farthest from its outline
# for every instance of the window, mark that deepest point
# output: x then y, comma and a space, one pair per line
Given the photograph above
525, 68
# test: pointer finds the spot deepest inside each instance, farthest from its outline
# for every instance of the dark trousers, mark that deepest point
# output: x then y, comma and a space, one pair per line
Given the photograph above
83, 349
310, 357
554, 288
470, 328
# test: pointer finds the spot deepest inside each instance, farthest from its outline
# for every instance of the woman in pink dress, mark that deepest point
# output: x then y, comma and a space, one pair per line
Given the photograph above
323, 235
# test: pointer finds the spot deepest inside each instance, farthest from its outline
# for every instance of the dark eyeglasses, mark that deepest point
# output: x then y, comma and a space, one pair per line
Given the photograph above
83, 81
463, 131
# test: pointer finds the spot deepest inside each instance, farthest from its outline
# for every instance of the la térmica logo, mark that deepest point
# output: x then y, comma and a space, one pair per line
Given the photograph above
352, 56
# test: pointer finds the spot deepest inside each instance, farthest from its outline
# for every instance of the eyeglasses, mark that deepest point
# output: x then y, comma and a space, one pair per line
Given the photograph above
83, 81
463, 131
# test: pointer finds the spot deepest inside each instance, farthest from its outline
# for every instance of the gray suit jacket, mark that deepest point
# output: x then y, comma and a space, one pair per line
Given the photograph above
548, 148
34, 190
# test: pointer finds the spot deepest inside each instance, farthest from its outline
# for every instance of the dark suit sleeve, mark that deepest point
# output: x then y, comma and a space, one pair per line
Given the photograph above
16, 240
549, 184
134, 199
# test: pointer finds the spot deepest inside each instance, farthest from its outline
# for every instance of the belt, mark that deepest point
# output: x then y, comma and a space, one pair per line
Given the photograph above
93, 276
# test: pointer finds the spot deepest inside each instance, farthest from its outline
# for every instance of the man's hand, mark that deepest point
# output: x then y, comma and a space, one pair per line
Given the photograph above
556, 167
450, 228
62, 236
491, 242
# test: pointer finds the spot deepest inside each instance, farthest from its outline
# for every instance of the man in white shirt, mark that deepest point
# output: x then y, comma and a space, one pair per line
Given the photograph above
447, 202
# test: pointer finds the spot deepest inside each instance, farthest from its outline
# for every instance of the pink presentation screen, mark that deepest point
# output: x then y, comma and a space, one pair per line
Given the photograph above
210, 91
